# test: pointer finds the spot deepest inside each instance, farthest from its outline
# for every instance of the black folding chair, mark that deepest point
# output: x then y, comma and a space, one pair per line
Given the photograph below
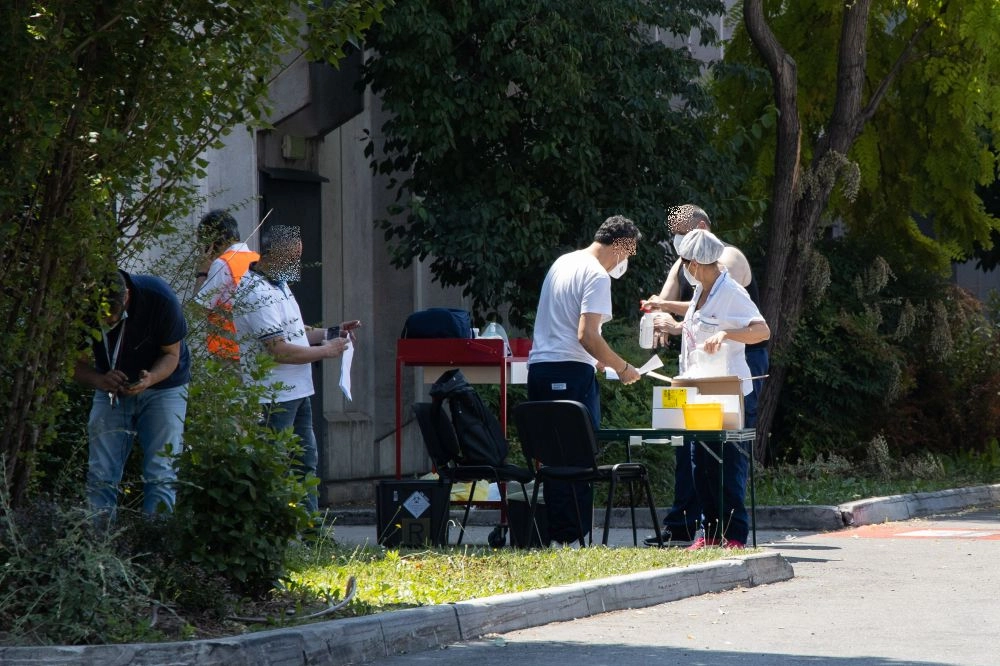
442, 446
558, 436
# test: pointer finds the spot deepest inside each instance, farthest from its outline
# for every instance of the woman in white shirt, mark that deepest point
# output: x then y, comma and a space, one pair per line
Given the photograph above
720, 319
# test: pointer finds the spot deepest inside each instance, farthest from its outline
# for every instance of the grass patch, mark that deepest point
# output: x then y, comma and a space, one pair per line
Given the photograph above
833, 479
395, 579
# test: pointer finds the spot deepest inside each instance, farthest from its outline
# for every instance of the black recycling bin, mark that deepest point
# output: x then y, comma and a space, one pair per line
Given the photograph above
412, 513
518, 513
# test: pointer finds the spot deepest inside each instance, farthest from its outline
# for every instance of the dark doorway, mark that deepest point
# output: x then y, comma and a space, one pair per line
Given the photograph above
294, 198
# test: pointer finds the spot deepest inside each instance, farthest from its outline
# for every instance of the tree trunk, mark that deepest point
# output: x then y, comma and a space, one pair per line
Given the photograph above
782, 211
795, 212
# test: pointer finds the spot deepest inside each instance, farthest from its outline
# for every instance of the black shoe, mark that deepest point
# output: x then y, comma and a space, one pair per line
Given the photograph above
668, 540
652, 540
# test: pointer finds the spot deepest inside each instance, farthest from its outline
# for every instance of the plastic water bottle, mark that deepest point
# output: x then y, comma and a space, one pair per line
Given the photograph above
646, 331
495, 330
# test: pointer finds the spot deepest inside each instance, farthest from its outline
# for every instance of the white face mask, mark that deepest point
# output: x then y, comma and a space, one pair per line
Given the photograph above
677, 242
690, 278
619, 269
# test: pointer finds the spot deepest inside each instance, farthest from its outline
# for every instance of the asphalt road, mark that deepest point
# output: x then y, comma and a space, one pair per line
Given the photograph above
923, 591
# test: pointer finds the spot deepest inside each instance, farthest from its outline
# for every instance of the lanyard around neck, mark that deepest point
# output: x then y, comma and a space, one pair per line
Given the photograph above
113, 358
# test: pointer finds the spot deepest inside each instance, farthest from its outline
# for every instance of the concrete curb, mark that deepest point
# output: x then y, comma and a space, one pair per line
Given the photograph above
509, 612
817, 518
915, 505
362, 639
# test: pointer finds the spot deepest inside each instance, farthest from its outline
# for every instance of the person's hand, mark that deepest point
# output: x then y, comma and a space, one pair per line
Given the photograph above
207, 256
653, 304
714, 343
630, 375
137, 387
663, 327
334, 347
347, 329
112, 381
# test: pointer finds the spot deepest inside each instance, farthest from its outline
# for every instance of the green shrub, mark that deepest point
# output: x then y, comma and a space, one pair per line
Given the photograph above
64, 581
239, 500
891, 352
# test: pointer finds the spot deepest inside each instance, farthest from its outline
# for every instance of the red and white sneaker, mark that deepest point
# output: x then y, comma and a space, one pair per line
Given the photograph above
702, 542
732, 544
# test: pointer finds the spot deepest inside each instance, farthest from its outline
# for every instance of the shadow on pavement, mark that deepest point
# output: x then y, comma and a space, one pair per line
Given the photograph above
487, 653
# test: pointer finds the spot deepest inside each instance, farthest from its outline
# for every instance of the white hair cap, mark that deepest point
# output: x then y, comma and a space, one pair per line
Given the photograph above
702, 246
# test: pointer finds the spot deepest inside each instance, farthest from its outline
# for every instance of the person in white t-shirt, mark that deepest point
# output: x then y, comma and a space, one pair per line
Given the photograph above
268, 320
567, 347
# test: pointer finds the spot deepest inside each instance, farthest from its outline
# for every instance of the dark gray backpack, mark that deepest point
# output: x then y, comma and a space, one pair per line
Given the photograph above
479, 434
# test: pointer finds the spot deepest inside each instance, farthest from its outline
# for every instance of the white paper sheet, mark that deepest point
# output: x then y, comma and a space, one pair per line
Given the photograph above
345, 369
650, 365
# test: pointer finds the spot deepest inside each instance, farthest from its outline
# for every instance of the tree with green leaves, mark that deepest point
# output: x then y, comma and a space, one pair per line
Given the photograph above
108, 106
517, 126
892, 102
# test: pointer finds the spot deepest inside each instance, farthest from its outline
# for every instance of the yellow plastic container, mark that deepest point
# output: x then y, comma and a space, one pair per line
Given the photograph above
703, 416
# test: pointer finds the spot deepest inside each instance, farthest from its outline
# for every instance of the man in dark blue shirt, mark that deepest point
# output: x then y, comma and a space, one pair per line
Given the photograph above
140, 372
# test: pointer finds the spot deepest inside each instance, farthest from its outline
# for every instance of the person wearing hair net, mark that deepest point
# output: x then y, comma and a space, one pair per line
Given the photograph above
721, 318
683, 518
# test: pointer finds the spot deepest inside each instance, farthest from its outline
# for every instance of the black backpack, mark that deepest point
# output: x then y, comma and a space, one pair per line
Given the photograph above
480, 437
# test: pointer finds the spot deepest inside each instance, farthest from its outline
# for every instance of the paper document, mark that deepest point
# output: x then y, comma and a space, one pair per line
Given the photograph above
651, 364
648, 366
345, 369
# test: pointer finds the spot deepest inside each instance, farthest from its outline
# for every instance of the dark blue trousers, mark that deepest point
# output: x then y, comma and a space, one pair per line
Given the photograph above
567, 381
686, 511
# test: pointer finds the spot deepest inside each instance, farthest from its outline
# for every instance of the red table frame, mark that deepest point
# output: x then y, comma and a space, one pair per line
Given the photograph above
454, 352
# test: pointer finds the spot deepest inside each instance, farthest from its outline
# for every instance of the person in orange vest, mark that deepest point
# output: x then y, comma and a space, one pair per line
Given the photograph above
218, 276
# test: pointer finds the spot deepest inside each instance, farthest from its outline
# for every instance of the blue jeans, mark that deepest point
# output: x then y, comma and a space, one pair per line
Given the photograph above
156, 417
567, 380
297, 415
686, 510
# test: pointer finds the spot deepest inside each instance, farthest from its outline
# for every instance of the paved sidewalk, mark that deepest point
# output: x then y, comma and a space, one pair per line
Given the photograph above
916, 592
358, 640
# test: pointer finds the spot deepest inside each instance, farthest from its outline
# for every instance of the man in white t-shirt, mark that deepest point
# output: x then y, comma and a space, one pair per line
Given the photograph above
268, 320
567, 347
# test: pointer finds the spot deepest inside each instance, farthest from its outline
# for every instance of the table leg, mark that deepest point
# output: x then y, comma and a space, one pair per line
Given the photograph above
722, 491
753, 499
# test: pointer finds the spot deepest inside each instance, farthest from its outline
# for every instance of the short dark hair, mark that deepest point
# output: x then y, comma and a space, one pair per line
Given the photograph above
616, 227
682, 219
218, 226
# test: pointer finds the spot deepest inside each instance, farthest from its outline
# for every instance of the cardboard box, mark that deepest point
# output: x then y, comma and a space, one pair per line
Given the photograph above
724, 387
672, 418
668, 405
672, 397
